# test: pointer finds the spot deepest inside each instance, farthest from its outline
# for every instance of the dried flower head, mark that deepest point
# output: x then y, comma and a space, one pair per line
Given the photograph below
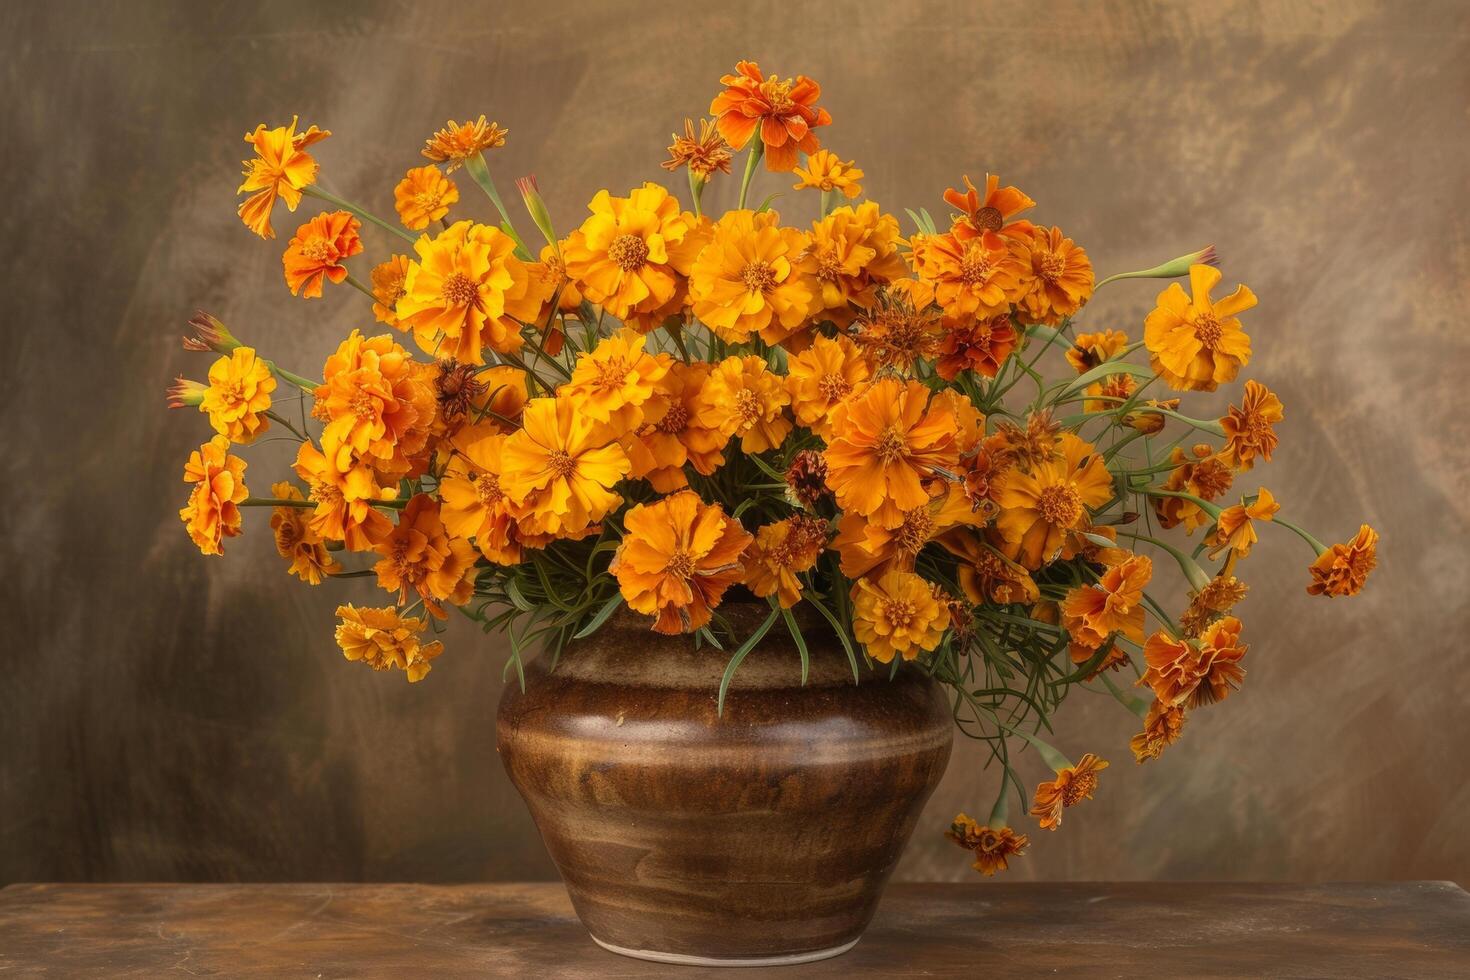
704, 154
456, 143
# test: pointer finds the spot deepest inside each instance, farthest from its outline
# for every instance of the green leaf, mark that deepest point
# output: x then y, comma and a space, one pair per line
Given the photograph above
741, 654
596, 621
710, 638
795, 635
517, 599
767, 202
841, 635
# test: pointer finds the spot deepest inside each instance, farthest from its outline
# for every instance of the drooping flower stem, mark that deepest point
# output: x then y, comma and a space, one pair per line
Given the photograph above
1317, 546
315, 191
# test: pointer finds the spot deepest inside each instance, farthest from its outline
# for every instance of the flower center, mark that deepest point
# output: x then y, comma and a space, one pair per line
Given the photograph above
917, 528
1207, 329
1077, 790
829, 267
427, 200
459, 290
363, 405
1059, 506
487, 488
778, 95
899, 613
988, 219
834, 387
326, 493
674, 420
235, 392
681, 565
758, 276
318, 250
629, 252
747, 406
561, 464
891, 446
1051, 266
610, 375
989, 840
288, 533
975, 267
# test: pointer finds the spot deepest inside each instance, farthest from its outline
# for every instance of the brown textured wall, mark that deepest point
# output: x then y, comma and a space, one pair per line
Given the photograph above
164, 716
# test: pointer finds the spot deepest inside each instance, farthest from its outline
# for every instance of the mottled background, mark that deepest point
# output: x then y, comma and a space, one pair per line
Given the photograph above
164, 716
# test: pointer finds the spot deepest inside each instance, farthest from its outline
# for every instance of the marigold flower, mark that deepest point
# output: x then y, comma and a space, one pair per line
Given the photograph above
784, 112
989, 218
676, 431
743, 398
560, 468
297, 542
456, 143
825, 172
902, 328
384, 639
1206, 475
1197, 344
1219, 596
1057, 280
1038, 507
377, 404
474, 505
1343, 568
899, 613
423, 195
1195, 672
281, 168
344, 500
856, 251
1072, 785
613, 381
754, 276
678, 557
1091, 349
420, 555
969, 277
1109, 393
887, 440
1249, 429
703, 155
1161, 729
978, 345
316, 252
993, 846
869, 548
1234, 528
238, 396
822, 376
387, 282
1150, 422
987, 576
213, 511
467, 291
1092, 613
780, 552
630, 255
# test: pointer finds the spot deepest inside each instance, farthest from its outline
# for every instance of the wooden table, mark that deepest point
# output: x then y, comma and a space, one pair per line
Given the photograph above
1403, 929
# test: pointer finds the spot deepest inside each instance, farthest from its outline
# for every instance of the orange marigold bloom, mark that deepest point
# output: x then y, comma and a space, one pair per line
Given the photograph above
703, 155
1197, 344
614, 381
1109, 393
987, 576
783, 111
385, 639
1218, 597
825, 172
856, 251
869, 548
754, 276
467, 291
455, 143
1072, 785
969, 277
475, 506
899, 613
238, 396
560, 468
990, 218
420, 555
780, 552
1249, 429
822, 376
1234, 529
297, 542
979, 345
677, 432
1161, 729
387, 279
1195, 672
743, 398
678, 557
633, 251
317, 251
993, 846
902, 328
377, 403
1200, 472
344, 500
281, 168
1091, 349
213, 511
1343, 568
423, 195
1092, 613
887, 440
1057, 277
1039, 506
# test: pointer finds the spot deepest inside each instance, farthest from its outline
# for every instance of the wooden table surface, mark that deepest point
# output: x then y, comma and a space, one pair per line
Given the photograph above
1400, 929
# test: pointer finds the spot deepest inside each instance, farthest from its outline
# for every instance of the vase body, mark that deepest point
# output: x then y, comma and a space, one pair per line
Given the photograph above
761, 836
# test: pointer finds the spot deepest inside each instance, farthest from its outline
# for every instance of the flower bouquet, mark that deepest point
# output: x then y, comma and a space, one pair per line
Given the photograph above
902, 430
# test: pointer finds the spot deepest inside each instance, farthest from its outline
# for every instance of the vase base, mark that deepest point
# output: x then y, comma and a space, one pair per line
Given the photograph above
686, 959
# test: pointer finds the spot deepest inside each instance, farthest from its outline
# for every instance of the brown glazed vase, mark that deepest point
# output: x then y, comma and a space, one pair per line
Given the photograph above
761, 837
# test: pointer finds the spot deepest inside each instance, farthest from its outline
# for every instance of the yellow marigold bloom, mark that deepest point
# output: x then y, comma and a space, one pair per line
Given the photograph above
1197, 344
1092, 613
856, 251
1249, 429
467, 291
902, 328
978, 345
1040, 505
553, 270
993, 846
822, 376
986, 575
899, 613
316, 252
377, 405
419, 555
887, 441
783, 112
629, 255
1192, 673
213, 511
969, 278
297, 542
387, 280
1057, 277
1343, 568
1109, 393
474, 505
703, 155
456, 143
743, 398
613, 381
1206, 475
825, 172
238, 396
344, 500
676, 431
869, 548
1091, 349
990, 217
1234, 528
423, 195
560, 468
1072, 785
678, 557
780, 552
754, 276
384, 639
281, 168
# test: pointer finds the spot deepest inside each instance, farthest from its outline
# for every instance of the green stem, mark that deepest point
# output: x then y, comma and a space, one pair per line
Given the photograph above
1318, 546
354, 282
317, 192
757, 150
696, 190
294, 431
1192, 572
480, 173
305, 384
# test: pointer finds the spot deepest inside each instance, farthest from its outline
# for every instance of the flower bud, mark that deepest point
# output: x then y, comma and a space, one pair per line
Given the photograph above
210, 334
184, 393
536, 207
1172, 269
